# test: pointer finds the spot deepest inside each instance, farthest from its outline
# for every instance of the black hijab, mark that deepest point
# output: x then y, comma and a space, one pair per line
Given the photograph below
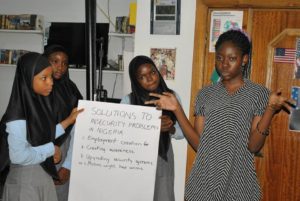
66, 94
25, 104
139, 95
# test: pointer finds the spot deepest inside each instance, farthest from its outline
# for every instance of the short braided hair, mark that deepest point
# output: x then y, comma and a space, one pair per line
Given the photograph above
238, 38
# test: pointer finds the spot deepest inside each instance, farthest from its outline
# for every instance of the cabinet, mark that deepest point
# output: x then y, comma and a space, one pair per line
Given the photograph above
30, 40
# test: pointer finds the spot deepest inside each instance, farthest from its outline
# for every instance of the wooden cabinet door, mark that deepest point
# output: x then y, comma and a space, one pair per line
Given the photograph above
279, 168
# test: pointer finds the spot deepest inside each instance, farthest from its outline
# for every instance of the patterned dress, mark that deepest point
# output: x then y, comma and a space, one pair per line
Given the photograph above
224, 167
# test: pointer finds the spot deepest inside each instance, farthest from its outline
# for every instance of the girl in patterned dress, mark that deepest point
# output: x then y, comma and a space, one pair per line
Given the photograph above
231, 124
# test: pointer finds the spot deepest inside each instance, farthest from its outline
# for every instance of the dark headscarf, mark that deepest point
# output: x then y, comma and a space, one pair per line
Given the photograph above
66, 94
25, 104
139, 95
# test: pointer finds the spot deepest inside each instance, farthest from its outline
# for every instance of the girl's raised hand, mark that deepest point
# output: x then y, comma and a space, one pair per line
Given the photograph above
166, 101
71, 118
278, 102
74, 114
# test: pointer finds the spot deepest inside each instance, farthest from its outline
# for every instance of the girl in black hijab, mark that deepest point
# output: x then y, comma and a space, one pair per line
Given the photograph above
66, 96
30, 124
145, 78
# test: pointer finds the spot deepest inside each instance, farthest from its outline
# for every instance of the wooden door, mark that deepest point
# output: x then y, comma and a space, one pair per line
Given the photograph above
279, 168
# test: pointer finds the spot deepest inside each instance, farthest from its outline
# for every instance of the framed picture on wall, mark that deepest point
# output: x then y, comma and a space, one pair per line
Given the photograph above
294, 121
164, 60
165, 17
222, 21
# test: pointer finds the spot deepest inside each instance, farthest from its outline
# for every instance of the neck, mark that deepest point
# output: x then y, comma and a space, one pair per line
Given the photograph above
233, 85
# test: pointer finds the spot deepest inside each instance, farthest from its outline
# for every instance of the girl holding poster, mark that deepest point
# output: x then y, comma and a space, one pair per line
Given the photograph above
31, 126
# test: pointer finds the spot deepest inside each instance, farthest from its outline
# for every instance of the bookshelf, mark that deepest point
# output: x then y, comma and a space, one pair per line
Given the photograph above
29, 40
103, 71
21, 31
13, 42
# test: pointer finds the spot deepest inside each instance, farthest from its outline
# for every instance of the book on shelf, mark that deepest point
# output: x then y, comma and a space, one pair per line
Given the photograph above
22, 22
122, 25
10, 56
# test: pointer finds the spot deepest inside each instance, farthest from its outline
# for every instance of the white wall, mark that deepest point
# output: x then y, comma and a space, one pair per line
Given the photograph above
184, 44
74, 11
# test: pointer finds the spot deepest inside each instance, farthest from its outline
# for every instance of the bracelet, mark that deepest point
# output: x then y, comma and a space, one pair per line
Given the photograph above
265, 133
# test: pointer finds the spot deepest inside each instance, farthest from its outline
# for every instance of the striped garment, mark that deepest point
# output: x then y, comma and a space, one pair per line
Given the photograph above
224, 168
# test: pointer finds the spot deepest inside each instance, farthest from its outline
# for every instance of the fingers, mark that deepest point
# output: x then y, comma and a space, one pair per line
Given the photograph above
80, 110
155, 95
291, 103
167, 93
158, 105
153, 102
160, 95
288, 105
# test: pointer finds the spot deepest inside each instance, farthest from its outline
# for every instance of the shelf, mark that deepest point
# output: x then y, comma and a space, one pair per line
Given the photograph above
71, 69
103, 71
8, 65
113, 71
121, 35
21, 31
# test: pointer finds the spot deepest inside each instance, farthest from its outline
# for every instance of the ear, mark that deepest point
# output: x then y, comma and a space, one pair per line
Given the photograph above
245, 59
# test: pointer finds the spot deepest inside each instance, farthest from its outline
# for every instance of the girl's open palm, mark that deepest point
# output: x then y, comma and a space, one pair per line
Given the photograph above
278, 102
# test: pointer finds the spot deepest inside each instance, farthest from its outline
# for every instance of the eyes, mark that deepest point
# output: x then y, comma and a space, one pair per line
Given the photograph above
44, 77
221, 59
58, 62
144, 77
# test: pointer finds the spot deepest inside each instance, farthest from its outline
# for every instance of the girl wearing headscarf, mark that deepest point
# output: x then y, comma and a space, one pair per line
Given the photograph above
66, 96
31, 128
145, 78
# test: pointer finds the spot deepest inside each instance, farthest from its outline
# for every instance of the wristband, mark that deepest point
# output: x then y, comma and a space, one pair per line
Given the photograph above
265, 133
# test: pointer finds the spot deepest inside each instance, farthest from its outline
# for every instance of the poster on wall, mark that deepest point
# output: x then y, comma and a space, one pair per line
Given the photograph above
294, 121
114, 152
165, 17
297, 62
164, 60
222, 21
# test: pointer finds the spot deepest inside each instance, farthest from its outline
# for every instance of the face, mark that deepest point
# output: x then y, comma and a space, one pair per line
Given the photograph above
147, 77
229, 61
43, 82
59, 62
